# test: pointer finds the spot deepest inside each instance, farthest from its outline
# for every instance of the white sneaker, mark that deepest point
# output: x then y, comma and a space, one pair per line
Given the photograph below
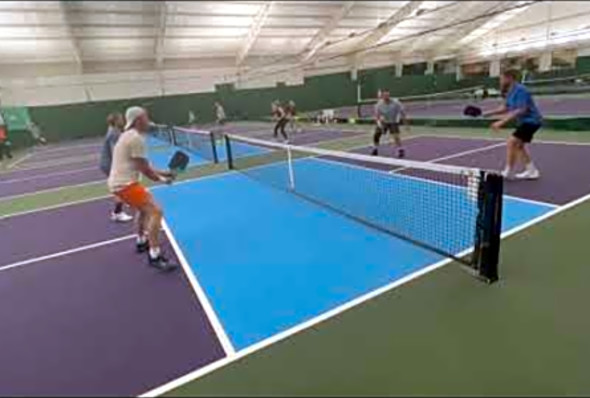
507, 175
121, 217
529, 175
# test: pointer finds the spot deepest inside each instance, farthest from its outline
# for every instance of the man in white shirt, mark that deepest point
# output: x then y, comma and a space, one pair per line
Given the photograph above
129, 162
219, 113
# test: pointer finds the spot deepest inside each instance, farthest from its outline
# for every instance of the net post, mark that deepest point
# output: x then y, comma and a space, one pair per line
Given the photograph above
213, 147
230, 159
290, 165
489, 223
172, 134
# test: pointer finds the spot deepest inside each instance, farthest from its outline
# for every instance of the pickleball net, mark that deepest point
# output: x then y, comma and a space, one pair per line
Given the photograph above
162, 133
199, 142
453, 211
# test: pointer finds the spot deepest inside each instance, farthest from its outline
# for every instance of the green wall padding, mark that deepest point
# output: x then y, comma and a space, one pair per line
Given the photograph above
15, 118
583, 64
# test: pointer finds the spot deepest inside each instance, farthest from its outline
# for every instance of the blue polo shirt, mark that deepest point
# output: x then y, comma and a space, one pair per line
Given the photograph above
520, 97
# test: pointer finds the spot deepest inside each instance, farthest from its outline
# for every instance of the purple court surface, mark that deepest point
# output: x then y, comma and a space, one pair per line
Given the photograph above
83, 314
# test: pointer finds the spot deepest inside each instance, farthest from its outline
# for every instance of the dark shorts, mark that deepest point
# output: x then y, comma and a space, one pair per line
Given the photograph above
526, 131
391, 128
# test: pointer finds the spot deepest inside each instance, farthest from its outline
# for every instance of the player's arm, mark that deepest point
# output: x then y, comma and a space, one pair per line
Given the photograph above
498, 111
521, 106
144, 167
377, 115
138, 155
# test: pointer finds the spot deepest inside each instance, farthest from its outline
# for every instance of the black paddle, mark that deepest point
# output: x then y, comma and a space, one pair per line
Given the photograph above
472, 111
178, 163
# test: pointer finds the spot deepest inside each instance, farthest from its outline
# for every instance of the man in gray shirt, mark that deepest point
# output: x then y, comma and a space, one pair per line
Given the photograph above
389, 113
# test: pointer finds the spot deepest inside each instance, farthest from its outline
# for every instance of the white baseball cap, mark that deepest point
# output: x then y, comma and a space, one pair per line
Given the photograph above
131, 114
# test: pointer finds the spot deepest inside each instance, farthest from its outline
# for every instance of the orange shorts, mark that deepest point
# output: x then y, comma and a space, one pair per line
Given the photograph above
2, 134
135, 195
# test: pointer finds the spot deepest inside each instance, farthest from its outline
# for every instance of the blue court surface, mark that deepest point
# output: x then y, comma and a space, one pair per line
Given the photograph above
269, 260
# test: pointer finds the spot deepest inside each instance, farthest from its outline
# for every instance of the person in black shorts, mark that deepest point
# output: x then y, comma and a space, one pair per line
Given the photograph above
519, 106
389, 113
282, 121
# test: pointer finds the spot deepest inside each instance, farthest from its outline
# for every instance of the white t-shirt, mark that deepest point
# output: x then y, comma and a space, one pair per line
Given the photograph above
220, 113
131, 145
1, 120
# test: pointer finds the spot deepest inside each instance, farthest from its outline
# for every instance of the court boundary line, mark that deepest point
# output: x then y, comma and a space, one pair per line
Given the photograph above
60, 173
49, 190
59, 162
281, 336
53, 207
73, 146
18, 161
200, 293
553, 142
63, 253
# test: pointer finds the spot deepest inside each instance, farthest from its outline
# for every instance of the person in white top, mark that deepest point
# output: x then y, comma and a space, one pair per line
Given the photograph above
128, 164
219, 113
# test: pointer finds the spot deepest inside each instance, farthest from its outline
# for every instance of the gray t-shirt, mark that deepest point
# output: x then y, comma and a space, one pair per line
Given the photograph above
389, 112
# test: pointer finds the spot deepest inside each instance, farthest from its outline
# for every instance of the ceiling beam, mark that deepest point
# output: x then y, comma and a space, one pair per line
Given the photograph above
385, 27
320, 38
462, 38
160, 37
465, 9
63, 5
255, 28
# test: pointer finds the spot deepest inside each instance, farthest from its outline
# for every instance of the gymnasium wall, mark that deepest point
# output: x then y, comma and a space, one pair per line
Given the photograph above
68, 121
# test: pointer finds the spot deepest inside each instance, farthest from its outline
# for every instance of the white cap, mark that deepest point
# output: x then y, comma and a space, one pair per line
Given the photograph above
131, 114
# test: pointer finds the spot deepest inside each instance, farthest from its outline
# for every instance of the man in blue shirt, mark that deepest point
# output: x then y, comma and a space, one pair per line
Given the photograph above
116, 122
520, 106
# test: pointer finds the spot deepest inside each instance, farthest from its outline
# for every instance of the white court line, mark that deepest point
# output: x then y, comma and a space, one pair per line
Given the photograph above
97, 145
49, 190
192, 376
456, 155
201, 295
20, 160
59, 162
65, 253
61, 173
54, 207
466, 137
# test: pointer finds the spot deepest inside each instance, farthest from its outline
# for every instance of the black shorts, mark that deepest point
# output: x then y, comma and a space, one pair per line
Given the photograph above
526, 131
391, 128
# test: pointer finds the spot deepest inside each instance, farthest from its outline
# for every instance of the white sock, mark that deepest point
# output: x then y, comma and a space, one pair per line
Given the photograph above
507, 170
141, 239
531, 167
154, 252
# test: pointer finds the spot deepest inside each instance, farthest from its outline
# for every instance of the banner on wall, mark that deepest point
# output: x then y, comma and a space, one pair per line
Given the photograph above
16, 117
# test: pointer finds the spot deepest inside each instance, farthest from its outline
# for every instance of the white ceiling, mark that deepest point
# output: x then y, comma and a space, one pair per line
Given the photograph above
111, 35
